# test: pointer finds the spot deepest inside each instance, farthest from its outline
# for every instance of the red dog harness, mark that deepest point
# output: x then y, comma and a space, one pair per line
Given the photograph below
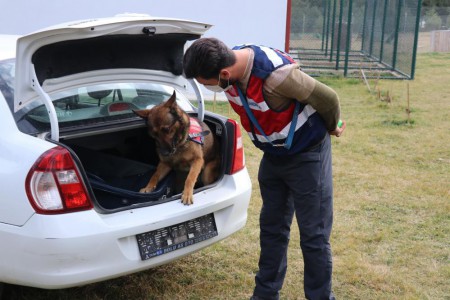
195, 131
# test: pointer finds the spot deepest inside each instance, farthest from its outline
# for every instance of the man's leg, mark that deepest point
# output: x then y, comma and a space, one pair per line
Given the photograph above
275, 222
311, 182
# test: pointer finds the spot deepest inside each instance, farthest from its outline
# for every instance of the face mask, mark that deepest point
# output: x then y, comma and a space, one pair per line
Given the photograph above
218, 88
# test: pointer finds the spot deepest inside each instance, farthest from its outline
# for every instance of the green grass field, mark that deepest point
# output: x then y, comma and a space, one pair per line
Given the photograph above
391, 235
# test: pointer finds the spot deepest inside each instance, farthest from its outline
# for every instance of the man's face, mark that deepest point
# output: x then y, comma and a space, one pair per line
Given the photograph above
223, 79
212, 81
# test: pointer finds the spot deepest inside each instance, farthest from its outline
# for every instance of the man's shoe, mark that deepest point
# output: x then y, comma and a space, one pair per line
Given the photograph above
254, 297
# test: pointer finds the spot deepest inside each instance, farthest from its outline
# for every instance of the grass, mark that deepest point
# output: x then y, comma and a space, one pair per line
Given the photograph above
392, 208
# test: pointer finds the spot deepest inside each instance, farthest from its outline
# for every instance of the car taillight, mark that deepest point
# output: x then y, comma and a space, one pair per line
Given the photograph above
54, 184
238, 159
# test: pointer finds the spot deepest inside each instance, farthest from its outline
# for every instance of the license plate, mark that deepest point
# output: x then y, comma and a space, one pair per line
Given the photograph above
171, 238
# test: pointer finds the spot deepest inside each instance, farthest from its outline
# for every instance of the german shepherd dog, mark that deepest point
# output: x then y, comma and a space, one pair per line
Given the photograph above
180, 150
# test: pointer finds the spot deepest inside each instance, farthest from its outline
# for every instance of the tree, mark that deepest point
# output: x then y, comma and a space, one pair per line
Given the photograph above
437, 9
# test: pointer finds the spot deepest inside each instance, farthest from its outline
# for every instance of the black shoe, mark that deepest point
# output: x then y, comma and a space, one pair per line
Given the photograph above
254, 297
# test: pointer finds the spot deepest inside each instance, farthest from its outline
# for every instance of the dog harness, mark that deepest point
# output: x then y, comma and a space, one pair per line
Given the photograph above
279, 132
196, 133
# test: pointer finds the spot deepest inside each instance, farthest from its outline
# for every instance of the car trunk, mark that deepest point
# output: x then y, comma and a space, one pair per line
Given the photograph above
118, 164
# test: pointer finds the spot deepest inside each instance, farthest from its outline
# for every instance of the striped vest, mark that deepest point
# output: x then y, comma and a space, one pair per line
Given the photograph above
310, 128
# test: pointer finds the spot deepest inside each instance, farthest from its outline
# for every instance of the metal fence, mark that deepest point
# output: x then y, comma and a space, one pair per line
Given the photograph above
373, 38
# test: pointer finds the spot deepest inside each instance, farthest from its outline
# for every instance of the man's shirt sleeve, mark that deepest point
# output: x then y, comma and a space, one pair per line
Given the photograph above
289, 82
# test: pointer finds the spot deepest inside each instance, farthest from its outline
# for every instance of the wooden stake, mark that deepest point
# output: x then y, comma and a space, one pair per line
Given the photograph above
377, 79
365, 80
408, 111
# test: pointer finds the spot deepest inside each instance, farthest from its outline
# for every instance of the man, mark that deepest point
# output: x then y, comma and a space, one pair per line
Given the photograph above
290, 117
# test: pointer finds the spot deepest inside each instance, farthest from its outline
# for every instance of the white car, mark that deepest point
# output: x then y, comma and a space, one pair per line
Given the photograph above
73, 155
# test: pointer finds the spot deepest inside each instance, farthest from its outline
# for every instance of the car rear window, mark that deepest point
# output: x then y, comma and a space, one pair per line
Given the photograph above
87, 105
102, 103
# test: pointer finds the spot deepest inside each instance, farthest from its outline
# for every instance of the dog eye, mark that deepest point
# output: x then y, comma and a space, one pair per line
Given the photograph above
165, 129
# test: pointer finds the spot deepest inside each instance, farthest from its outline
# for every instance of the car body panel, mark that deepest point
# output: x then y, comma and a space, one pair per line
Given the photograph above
18, 153
68, 250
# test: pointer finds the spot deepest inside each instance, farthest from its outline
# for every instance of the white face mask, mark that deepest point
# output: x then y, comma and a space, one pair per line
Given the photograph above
217, 88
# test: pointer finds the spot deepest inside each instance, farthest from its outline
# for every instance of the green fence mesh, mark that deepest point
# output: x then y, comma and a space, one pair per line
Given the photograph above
374, 38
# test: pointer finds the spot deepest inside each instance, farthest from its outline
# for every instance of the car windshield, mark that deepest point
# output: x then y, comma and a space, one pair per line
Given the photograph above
88, 105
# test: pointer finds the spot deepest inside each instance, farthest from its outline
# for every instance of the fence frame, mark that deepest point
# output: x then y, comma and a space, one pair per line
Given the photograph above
336, 55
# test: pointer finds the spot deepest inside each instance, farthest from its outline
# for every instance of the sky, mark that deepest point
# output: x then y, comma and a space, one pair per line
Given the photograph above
235, 21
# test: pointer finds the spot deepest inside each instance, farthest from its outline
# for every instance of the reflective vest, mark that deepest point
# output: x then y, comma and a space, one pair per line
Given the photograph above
310, 128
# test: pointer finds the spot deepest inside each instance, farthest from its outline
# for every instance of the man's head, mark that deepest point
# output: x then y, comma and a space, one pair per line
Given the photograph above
206, 58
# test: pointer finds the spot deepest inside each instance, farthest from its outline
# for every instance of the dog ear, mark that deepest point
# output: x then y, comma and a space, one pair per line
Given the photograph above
172, 103
143, 113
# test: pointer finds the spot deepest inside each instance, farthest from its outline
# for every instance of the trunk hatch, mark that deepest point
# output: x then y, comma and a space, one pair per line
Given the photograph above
125, 42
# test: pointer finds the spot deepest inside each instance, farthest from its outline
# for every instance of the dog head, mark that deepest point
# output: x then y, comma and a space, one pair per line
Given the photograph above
167, 124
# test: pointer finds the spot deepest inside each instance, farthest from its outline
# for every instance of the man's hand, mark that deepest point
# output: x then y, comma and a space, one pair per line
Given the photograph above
339, 129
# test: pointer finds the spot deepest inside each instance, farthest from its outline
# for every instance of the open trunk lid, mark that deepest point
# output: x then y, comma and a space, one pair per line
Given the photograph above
126, 45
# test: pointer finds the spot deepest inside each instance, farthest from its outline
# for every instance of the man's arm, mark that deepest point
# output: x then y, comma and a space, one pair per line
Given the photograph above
289, 82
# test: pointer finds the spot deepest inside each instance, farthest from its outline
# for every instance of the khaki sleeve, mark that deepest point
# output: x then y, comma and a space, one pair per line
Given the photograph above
295, 84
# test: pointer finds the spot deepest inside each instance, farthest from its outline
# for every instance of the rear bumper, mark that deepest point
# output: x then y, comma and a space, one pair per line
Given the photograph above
79, 248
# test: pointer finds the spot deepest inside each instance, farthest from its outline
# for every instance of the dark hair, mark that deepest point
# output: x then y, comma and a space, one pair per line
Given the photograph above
206, 57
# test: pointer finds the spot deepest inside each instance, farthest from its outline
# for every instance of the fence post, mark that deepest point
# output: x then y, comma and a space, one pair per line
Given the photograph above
288, 26
324, 12
349, 37
332, 30
338, 48
416, 38
383, 27
373, 26
397, 28
363, 36
328, 26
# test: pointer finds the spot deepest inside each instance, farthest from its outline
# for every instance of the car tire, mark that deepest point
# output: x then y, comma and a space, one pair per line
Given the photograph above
2, 286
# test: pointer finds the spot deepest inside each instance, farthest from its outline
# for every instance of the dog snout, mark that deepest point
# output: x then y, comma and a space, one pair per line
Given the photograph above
165, 147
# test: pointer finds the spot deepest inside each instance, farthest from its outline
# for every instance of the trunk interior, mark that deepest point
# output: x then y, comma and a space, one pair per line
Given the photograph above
118, 164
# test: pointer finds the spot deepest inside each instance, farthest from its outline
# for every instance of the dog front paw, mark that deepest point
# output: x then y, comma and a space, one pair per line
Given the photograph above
187, 198
147, 189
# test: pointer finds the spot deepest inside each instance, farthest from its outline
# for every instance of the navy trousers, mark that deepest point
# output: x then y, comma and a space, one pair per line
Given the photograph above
300, 184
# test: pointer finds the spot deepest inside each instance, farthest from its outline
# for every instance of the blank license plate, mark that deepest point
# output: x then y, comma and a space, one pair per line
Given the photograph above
171, 238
